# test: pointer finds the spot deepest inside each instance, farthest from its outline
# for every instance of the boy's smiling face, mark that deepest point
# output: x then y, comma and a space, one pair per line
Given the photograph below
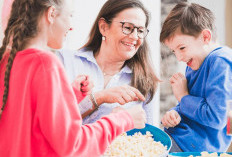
188, 49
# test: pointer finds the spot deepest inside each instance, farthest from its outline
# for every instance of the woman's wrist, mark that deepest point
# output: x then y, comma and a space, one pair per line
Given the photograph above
99, 97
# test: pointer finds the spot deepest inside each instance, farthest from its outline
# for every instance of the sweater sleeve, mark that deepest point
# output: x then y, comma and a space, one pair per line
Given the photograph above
211, 109
176, 108
60, 120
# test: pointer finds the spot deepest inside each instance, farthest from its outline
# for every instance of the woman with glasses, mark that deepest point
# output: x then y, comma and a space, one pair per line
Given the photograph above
39, 116
116, 58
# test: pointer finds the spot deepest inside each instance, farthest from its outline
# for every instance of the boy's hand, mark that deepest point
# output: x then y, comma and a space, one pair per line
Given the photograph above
120, 94
179, 85
171, 119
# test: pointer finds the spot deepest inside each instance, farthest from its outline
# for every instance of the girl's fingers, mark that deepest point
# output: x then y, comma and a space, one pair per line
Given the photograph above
80, 78
85, 83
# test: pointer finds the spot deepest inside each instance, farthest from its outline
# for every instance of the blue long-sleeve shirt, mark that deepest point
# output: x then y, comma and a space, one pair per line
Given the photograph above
83, 62
203, 111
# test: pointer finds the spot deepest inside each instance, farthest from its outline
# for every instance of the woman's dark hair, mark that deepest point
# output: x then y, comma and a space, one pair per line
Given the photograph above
21, 27
144, 78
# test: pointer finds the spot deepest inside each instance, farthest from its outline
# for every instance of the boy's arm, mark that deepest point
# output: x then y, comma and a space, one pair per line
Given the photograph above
211, 110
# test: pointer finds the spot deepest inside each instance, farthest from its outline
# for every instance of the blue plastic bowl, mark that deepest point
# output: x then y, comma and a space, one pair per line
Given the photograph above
158, 135
187, 154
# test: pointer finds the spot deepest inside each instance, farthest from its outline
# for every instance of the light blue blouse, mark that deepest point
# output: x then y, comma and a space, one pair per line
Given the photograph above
83, 62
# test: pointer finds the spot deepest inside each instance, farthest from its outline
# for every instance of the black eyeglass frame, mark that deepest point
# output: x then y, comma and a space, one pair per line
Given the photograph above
147, 30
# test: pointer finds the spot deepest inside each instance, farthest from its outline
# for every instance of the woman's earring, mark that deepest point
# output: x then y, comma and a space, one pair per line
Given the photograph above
103, 38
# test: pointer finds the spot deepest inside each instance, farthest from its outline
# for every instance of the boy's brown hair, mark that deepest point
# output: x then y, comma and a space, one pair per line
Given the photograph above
189, 19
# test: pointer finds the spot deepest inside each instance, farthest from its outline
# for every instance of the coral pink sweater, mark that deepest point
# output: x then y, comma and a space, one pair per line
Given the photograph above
41, 116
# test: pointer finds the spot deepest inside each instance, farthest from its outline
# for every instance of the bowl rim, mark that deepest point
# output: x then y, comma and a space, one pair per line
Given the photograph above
161, 131
186, 154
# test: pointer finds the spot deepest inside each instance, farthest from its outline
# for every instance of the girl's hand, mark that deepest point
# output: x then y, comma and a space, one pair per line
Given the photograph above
82, 86
171, 119
137, 113
179, 85
87, 86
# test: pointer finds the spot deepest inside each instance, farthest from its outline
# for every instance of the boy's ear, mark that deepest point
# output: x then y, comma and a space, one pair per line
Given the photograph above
51, 14
103, 26
207, 35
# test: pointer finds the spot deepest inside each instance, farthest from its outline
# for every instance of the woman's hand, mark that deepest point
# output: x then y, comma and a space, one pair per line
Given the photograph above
137, 113
82, 86
121, 94
171, 119
179, 85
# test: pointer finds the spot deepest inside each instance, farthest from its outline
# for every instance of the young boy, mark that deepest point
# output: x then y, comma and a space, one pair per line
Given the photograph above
198, 122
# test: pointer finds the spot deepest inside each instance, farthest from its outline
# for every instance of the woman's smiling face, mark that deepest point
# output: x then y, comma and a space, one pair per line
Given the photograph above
125, 46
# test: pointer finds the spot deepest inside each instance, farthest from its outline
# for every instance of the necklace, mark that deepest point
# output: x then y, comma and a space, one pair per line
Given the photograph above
109, 74
105, 74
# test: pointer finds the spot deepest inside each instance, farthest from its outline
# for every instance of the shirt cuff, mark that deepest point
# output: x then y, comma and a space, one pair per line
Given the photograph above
85, 105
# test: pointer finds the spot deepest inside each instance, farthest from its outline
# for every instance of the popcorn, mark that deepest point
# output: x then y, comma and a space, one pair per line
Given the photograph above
206, 154
225, 155
137, 145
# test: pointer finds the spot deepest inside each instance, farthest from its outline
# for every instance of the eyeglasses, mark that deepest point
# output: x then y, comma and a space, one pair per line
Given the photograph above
128, 28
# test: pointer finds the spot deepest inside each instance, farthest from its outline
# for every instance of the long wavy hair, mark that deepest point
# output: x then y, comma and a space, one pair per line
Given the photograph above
22, 26
143, 77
